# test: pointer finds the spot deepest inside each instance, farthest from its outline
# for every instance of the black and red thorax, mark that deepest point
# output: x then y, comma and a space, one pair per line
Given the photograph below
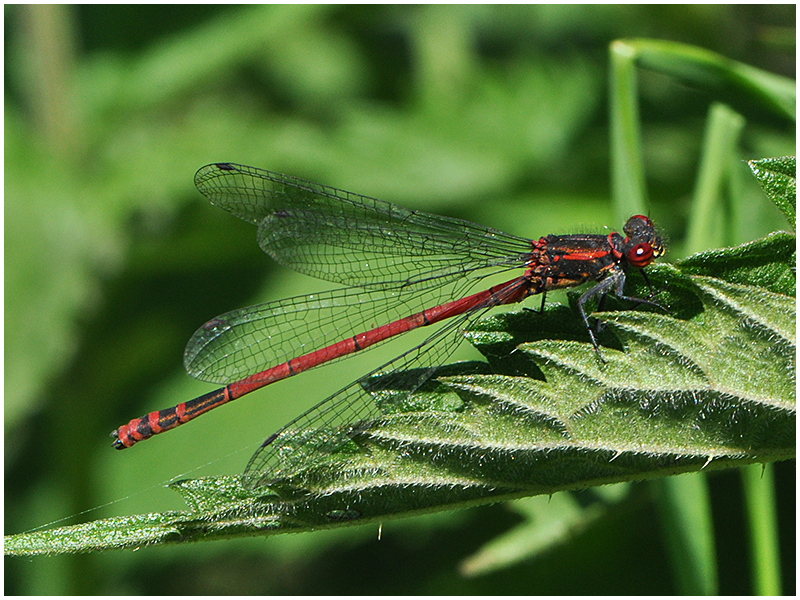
563, 261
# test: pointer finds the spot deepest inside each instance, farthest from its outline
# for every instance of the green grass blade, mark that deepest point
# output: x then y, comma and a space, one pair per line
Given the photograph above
759, 491
685, 509
628, 188
707, 227
727, 79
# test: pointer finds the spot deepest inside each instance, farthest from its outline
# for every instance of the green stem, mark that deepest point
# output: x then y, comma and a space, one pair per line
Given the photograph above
759, 492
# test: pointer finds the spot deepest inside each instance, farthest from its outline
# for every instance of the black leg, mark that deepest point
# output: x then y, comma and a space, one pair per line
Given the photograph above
647, 281
615, 279
642, 301
598, 324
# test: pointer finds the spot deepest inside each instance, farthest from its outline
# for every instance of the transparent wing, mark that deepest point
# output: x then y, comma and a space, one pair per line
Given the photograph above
248, 340
351, 239
243, 342
321, 431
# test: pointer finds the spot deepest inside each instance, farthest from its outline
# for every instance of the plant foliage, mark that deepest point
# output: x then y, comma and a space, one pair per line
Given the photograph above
710, 386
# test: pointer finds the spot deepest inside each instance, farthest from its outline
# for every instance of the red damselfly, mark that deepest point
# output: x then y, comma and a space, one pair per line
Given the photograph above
403, 268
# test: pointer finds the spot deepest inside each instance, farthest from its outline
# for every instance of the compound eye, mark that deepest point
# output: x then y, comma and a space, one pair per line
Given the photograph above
640, 255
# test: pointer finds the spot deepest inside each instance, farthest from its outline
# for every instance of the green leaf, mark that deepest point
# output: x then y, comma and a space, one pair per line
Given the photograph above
708, 387
728, 79
778, 178
116, 532
767, 263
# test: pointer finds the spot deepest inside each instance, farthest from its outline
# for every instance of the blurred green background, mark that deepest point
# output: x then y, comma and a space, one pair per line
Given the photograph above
113, 259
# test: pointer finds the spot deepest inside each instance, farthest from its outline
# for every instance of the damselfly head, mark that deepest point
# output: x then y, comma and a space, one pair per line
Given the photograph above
643, 242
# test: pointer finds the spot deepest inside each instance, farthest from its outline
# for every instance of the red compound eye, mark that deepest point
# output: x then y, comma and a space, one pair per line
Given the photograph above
640, 255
